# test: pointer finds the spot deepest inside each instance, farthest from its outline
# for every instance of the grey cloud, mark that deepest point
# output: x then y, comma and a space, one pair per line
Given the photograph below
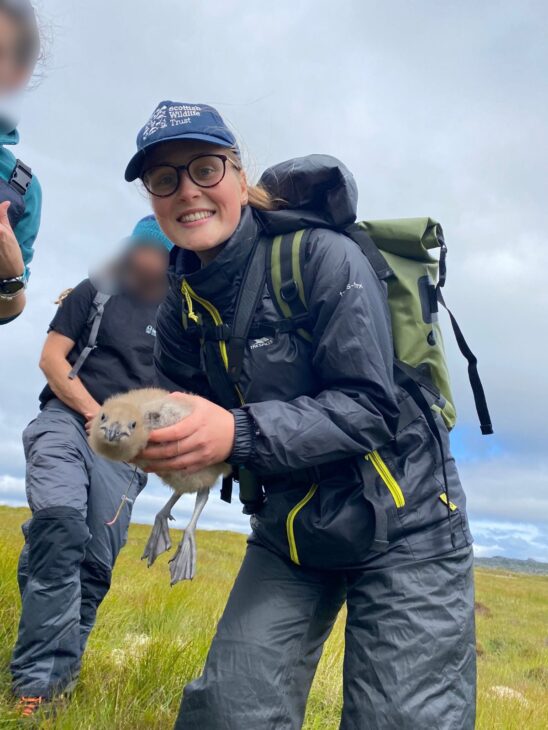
510, 539
507, 489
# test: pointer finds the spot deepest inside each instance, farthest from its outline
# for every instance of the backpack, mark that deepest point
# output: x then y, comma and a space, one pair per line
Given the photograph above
15, 190
400, 252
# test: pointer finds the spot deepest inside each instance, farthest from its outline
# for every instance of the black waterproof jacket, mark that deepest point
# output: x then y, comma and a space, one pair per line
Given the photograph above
313, 411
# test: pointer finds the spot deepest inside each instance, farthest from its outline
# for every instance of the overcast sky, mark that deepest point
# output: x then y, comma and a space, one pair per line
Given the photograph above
438, 108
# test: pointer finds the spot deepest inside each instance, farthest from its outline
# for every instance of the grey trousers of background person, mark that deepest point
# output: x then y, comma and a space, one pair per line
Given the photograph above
409, 646
66, 564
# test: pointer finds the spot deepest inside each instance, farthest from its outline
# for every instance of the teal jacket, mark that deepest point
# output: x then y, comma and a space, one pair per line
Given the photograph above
27, 228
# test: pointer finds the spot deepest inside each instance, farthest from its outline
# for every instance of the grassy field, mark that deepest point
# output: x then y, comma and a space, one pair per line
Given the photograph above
150, 640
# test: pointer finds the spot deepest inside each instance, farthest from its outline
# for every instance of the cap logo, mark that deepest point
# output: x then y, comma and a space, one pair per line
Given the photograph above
170, 116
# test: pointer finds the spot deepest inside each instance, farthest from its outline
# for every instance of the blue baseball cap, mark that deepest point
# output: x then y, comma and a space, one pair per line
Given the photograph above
147, 232
173, 120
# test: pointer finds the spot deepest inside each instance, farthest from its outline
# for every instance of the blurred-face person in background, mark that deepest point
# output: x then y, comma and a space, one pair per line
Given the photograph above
20, 194
100, 342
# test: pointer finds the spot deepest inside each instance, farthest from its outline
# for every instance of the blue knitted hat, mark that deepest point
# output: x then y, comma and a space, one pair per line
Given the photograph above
147, 232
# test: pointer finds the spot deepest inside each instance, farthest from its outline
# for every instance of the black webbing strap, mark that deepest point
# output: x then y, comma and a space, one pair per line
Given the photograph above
251, 290
226, 489
21, 177
360, 236
289, 289
475, 381
407, 382
95, 317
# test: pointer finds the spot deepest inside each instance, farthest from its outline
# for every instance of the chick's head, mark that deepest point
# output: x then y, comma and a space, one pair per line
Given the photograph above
119, 431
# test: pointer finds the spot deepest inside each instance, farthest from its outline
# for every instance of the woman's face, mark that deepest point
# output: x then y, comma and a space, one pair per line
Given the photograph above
222, 204
13, 75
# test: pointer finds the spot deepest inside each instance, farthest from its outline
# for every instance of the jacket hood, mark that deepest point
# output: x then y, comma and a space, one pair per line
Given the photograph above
318, 190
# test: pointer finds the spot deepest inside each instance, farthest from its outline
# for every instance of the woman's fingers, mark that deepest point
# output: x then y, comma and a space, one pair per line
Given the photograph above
204, 437
170, 449
180, 430
189, 463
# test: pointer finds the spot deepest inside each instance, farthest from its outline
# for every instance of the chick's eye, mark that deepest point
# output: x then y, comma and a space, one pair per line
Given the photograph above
133, 425
103, 417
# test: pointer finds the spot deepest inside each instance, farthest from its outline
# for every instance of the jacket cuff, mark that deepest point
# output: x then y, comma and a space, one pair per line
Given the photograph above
244, 437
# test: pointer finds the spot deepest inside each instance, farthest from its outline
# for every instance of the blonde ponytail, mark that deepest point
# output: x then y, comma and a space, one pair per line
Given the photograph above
62, 296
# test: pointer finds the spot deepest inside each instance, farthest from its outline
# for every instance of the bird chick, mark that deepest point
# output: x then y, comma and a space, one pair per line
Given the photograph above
121, 431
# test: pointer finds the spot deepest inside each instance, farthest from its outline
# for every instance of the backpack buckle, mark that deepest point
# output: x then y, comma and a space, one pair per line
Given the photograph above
216, 333
289, 291
21, 177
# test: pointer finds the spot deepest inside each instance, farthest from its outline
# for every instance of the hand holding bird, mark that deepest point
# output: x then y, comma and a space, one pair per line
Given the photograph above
203, 438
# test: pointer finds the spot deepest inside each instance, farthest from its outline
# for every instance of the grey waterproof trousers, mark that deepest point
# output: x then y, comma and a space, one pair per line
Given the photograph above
66, 564
409, 646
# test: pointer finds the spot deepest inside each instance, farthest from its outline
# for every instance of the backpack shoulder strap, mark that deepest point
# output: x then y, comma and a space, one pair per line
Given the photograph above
95, 316
251, 289
21, 177
286, 265
284, 275
371, 251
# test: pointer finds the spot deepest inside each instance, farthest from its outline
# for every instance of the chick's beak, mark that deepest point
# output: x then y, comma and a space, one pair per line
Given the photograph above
112, 431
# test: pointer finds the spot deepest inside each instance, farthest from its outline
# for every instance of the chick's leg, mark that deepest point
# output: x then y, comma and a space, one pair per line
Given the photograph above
183, 564
159, 540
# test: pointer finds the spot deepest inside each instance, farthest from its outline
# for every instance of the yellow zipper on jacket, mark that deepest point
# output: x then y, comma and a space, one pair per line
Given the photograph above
293, 554
190, 296
384, 472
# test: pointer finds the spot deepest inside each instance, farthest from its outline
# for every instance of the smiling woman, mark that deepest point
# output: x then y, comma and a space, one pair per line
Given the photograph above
295, 418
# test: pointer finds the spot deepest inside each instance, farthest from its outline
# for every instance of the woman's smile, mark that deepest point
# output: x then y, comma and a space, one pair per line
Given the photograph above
195, 217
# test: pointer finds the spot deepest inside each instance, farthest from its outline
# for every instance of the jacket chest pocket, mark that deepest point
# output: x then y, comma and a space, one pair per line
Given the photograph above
277, 367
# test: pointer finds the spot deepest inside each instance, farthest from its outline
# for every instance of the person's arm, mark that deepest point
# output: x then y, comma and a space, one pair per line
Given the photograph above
56, 368
11, 265
355, 412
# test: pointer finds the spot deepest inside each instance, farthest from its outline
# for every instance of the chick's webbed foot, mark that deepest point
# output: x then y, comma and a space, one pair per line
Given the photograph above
182, 565
159, 541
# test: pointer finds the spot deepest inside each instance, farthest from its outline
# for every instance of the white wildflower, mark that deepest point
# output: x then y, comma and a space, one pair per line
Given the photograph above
507, 693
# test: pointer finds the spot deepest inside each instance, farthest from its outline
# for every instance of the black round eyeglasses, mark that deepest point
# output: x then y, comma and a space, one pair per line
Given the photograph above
206, 171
